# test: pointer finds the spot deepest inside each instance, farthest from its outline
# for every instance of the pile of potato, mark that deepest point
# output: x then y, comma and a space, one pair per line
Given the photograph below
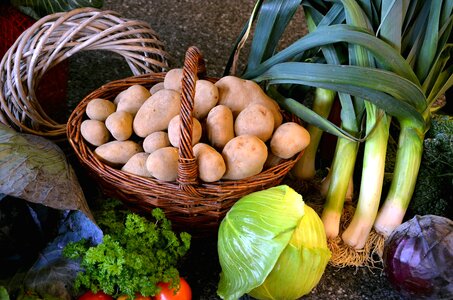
237, 129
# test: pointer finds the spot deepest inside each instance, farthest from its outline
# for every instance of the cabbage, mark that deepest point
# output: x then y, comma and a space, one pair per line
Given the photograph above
271, 245
418, 255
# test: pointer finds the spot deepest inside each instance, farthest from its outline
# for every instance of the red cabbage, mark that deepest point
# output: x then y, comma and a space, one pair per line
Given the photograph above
418, 258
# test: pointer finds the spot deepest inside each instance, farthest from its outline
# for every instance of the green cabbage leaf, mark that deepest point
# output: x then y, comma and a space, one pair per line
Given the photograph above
271, 246
252, 236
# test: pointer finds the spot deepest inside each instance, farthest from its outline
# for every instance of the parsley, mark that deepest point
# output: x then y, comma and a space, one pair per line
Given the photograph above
134, 256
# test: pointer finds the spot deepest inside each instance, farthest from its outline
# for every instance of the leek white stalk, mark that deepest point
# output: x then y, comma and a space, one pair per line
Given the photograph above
305, 168
342, 167
407, 164
324, 188
356, 234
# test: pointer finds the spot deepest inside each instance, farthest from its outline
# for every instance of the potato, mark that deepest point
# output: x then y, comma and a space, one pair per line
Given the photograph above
244, 156
174, 131
163, 163
156, 112
119, 125
237, 94
289, 139
211, 165
117, 153
255, 119
156, 140
137, 165
100, 109
206, 97
94, 132
132, 99
172, 80
157, 87
220, 126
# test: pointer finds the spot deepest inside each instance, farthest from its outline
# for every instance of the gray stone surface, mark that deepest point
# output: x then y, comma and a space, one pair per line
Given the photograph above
212, 26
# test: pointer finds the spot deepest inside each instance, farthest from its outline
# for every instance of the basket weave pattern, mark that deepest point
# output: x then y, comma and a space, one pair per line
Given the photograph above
55, 38
190, 203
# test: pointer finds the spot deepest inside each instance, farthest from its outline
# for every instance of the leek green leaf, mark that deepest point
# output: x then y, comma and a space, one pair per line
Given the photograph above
436, 83
391, 26
272, 22
386, 56
308, 115
429, 46
399, 97
230, 67
413, 31
350, 113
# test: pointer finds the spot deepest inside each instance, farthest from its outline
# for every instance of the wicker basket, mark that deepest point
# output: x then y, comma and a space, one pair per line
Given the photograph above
190, 204
53, 39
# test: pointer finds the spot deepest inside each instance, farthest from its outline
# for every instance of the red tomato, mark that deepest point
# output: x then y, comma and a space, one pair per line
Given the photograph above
137, 297
98, 296
184, 292
140, 297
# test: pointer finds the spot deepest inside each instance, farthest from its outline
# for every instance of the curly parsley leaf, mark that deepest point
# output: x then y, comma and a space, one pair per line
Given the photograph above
134, 256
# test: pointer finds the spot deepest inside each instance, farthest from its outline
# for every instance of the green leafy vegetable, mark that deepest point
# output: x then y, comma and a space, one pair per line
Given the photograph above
134, 256
272, 246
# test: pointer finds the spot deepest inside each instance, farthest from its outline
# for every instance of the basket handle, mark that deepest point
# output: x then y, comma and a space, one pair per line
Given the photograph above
194, 67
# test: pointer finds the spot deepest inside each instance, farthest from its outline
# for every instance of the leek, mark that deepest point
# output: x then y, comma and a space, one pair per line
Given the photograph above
373, 163
323, 100
358, 230
407, 163
435, 73
333, 207
397, 73
342, 170
305, 168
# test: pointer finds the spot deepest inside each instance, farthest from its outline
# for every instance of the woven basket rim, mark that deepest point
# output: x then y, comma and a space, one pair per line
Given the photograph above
56, 37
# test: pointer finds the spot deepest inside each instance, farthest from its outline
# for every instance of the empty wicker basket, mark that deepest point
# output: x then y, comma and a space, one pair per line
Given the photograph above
189, 203
53, 39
